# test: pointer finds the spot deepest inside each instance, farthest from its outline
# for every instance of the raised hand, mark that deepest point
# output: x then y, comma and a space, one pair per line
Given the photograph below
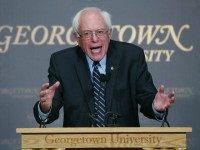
163, 100
46, 95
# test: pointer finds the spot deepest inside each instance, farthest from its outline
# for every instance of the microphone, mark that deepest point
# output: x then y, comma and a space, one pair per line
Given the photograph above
112, 119
104, 77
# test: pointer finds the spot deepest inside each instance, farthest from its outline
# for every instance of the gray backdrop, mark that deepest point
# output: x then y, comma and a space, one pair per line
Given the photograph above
30, 30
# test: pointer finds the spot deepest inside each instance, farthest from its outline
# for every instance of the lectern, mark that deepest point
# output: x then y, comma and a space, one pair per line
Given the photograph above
147, 138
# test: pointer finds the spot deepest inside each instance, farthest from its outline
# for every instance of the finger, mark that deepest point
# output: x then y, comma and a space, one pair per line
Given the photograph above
42, 93
44, 86
171, 94
55, 86
161, 89
172, 100
42, 100
167, 106
45, 98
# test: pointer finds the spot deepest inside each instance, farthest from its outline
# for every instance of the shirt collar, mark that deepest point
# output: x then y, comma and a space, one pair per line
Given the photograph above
102, 63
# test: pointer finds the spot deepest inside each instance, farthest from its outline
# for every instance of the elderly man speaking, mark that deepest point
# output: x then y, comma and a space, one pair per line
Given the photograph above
100, 82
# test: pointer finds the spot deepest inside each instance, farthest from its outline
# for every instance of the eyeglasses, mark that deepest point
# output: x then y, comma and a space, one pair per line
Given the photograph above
88, 33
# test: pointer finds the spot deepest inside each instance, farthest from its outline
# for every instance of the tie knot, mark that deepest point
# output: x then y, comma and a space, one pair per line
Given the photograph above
96, 63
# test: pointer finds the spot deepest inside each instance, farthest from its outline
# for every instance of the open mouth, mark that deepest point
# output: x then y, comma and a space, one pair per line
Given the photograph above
96, 49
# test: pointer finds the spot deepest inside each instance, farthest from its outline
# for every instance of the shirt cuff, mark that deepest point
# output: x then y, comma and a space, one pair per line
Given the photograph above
159, 115
43, 116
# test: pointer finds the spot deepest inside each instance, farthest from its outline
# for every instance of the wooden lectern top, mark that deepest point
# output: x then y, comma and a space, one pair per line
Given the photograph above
106, 130
104, 137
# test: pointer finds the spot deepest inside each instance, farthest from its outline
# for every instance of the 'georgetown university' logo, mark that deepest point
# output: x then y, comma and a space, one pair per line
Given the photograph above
149, 35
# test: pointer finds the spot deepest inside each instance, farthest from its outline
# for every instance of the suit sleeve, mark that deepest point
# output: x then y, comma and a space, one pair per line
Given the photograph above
145, 89
57, 101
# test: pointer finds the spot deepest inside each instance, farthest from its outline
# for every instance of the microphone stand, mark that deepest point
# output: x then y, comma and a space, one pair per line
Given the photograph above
42, 124
165, 119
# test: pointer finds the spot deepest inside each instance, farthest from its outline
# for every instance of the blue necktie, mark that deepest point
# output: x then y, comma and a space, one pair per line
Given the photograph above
99, 97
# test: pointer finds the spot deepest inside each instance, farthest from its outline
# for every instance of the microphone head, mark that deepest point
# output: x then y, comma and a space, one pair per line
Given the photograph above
104, 77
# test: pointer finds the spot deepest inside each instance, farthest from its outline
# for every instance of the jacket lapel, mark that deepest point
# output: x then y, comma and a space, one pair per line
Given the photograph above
83, 74
112, 68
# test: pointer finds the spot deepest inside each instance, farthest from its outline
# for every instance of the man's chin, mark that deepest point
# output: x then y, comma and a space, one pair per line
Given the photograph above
96, 58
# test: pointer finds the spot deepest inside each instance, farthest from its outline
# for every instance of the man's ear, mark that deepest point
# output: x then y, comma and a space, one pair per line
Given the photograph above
75, 38
78, 41
110, 33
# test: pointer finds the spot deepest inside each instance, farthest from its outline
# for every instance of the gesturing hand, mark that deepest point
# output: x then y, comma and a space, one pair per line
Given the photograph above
163, 100
46, 95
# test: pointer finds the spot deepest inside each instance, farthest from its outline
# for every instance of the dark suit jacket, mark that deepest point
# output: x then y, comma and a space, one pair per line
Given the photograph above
129, 84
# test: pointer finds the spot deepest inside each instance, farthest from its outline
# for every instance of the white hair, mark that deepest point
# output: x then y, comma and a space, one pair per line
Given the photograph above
106, 16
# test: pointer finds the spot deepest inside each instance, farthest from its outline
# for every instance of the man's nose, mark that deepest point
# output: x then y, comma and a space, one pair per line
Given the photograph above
94, 37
